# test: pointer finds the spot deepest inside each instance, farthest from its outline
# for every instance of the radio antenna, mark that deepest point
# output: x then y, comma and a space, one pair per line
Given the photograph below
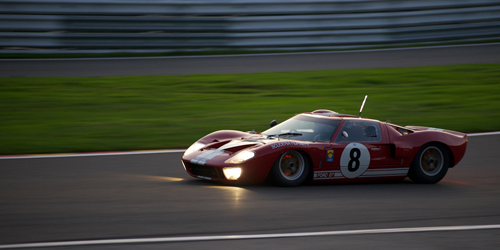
362, 105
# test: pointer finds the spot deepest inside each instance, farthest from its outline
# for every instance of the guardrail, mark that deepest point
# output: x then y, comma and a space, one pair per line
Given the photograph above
176, 25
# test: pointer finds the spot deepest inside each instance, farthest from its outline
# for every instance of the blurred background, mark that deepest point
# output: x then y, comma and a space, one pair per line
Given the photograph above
106, 105
170, 26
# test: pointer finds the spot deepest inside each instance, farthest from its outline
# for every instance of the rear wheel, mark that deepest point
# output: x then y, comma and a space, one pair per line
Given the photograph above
430, 164
290, 169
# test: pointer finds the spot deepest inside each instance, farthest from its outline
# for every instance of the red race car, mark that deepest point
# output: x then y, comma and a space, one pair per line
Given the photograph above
325, 146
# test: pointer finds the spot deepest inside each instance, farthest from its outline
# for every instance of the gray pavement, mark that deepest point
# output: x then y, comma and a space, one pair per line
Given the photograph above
138, 196
141, 196
411, 57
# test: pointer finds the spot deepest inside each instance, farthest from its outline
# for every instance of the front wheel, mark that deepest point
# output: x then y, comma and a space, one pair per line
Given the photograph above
290, 169
430, 164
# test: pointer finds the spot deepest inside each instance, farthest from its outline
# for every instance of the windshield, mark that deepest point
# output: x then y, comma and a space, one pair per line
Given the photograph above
305, 128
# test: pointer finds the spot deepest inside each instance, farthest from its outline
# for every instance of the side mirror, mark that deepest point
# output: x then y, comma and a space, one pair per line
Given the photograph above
273, 123
345, 134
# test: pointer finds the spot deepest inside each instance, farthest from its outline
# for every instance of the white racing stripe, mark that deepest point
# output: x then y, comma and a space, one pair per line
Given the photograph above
249, 236
204, 157
210, 156
380, 172
7, 157
383, 172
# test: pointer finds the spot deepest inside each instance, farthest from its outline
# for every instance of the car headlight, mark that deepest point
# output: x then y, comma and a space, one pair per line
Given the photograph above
232, 173
240, 157
195, 147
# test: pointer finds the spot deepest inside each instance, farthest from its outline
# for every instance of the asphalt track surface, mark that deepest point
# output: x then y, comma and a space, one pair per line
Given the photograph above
147, 196
410, 57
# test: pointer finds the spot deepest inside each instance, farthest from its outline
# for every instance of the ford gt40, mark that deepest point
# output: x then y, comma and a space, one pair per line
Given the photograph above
324, 146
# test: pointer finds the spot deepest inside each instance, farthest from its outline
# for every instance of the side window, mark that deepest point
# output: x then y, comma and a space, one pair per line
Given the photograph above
359, 131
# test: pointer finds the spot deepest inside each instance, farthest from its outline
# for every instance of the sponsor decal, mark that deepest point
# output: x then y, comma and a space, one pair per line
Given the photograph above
329, 155
288, 143
325, 175
380, 172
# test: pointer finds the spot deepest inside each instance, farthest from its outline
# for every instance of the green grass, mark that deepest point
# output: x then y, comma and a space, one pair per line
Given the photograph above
47, 115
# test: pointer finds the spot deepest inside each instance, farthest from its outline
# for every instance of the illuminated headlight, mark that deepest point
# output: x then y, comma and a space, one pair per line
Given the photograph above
232, 173
195, 147
241, 157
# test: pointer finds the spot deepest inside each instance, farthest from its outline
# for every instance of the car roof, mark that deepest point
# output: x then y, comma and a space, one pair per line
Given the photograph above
328, 114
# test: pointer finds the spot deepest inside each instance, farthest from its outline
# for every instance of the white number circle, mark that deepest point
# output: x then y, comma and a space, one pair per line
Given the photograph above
354, 160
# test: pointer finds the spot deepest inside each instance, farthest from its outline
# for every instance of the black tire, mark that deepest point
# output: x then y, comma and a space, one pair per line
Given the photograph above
430, 164
290, 169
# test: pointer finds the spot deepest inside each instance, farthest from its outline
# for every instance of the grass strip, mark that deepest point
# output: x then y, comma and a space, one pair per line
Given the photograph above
61, 114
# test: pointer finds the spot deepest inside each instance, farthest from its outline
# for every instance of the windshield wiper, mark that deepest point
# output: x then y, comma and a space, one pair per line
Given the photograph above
284, 134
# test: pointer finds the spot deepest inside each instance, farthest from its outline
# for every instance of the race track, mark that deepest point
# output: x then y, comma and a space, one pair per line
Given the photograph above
127, 201
149, 196
389, 58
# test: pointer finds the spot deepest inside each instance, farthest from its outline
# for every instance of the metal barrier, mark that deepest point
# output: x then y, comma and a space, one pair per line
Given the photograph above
150, 25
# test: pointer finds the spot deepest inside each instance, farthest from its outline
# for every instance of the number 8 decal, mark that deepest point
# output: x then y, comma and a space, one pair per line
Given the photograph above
354, 160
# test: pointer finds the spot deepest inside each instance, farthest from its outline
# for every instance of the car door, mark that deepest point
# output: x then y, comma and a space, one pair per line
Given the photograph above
363, 148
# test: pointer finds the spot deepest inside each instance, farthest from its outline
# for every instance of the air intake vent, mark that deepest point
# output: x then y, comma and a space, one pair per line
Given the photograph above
205, 171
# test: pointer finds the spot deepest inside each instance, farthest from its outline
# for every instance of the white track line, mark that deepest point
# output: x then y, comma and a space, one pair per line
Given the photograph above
248, 236
8, 157
484, 134
91, 154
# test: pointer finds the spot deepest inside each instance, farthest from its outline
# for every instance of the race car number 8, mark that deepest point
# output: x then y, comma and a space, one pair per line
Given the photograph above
354, 160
